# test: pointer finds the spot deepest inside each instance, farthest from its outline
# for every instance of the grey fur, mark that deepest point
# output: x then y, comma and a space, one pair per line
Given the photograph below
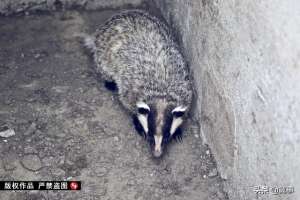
138, 52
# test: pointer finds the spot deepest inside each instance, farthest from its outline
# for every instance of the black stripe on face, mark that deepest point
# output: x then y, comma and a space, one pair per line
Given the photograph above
178, 113
151, 126
168, 118
143, 111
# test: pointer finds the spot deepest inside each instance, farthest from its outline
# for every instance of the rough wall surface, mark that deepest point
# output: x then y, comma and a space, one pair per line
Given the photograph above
245, 57
16, 6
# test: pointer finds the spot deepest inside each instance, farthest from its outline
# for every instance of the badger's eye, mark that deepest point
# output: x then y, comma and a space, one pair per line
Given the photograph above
143, 111
178, 114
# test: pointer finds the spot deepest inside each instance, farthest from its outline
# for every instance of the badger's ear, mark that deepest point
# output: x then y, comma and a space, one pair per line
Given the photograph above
179, 111
143, 108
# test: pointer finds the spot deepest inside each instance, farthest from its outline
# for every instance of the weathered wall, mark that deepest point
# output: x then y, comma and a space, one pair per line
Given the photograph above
15, 6
245, 57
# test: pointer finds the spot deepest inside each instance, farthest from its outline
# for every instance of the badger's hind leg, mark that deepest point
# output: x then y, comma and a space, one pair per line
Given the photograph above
109, 82
111, 85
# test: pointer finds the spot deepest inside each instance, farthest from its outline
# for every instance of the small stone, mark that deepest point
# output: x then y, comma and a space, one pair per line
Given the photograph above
213, 172
7, 132
207, 152
32, 128
31, 162
101, 171
9, 163
196, 136
204, 176
116, 138
131, 182
29, 150
49, 161
9, 166
37, 55
58, 172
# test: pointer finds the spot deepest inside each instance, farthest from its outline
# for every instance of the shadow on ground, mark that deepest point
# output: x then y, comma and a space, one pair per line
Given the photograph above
68, 126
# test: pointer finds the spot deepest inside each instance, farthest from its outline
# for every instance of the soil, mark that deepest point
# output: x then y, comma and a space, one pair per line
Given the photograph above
68, 126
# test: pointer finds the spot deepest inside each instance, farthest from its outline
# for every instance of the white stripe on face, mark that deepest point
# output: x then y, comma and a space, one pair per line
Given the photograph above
179, 109
143, 119
175, 124
157, 148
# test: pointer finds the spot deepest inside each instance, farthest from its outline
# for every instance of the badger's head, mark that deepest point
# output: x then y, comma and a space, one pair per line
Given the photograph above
159, 122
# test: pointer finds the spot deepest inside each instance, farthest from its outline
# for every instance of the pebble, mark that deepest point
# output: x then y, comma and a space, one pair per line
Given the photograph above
7, 132
101, 171
29, 150
58, 172
32, 162
9, 166
37, 55
131, 182
213, 172
116, 138
207, 152
32, 128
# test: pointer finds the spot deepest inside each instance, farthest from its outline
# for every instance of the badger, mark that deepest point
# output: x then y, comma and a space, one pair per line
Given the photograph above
136, 54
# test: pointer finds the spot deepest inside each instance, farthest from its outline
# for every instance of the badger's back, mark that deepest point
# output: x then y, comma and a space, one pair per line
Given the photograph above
138, 52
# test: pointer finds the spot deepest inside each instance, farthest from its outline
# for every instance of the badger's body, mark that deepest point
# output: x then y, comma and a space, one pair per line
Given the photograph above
137, 52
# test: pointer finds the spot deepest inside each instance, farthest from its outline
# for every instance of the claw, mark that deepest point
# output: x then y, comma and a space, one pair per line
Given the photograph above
178, 138
144, 135
178, 135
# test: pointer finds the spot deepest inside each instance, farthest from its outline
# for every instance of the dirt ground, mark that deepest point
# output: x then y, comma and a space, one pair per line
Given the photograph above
69, 127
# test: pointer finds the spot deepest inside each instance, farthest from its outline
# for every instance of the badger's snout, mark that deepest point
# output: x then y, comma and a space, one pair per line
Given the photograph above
157, 153
157, 150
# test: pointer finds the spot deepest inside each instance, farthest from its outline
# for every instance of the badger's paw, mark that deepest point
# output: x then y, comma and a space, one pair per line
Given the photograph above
111, 85
178, 135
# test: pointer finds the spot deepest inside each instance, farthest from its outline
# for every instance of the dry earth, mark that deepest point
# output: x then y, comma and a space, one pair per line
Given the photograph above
68, 126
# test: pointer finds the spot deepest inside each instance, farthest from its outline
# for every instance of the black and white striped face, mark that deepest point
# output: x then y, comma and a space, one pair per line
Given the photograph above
159, 123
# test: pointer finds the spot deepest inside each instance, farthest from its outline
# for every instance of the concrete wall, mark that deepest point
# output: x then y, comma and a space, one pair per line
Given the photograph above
16, 6
245, 58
